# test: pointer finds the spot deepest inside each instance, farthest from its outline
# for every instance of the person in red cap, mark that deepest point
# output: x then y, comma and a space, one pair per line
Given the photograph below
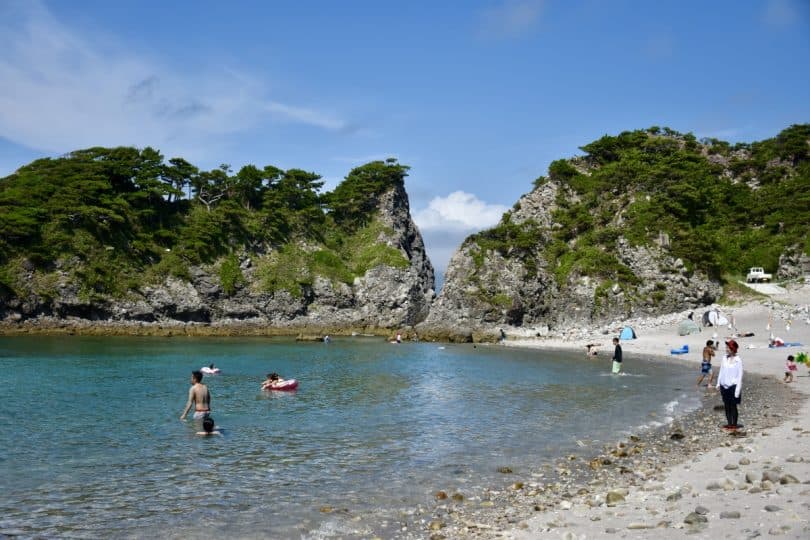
729, 382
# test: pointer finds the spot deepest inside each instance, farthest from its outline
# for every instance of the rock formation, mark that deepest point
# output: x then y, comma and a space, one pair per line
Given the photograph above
485, 290
385, 297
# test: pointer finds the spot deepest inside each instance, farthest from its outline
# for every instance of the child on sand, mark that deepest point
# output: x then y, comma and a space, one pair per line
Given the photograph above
790, 369
706, 364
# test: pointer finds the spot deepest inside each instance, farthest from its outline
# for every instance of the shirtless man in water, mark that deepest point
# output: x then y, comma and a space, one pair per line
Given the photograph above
198, 396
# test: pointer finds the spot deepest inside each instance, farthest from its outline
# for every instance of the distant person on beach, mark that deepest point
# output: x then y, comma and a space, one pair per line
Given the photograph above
706, 364
729, 382
198, 397
590, 349
617, 356
208, 427
399, 338
790, 369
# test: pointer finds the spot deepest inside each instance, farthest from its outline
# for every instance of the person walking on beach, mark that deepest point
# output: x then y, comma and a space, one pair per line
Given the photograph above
617, 356
729, 382
198, 397
790, 369
706, 364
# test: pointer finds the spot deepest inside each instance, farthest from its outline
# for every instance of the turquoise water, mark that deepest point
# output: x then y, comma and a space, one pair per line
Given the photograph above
93, 446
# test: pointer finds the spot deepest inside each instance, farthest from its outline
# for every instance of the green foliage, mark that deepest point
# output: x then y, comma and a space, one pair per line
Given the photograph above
171, 264
230, 274
285, 270
129, 218
590, 260
332, 266
345, 257
354, 201
561, 170
363, 250
540, 181
643, 183
501, 300
510, 238
713, 222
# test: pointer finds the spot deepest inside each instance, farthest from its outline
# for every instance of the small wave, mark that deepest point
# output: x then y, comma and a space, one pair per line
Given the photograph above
623, 374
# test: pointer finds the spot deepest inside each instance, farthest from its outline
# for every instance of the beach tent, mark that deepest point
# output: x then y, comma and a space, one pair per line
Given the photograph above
627, 333
714, 318
688, 327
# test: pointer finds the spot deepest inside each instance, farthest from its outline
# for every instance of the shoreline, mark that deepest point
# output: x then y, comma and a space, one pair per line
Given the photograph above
687, 477
599, 493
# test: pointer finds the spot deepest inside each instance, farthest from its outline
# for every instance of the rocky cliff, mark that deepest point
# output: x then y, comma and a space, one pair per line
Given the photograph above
385, 297
646, 223
486, 289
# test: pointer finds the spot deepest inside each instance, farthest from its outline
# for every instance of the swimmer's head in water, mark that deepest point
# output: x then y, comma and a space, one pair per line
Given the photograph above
273, 376
208, 424
196, 376
211, 366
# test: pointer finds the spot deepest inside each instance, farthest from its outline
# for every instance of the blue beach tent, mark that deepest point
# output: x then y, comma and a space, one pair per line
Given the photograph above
627, 333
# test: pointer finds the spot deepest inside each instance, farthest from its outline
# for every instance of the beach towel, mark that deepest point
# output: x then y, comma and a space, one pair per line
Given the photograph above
792, 344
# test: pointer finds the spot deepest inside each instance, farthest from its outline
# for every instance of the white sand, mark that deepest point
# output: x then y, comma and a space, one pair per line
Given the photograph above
782, 450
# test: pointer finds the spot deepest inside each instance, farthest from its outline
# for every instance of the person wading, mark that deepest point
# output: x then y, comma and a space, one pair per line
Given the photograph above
198, 397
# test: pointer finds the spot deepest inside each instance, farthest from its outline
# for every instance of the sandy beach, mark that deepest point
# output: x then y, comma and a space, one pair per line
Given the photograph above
755, 483
687, 477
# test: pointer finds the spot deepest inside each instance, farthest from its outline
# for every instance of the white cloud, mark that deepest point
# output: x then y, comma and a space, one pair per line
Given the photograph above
60, 91
512, 18
306, 116
459, 211
447, 221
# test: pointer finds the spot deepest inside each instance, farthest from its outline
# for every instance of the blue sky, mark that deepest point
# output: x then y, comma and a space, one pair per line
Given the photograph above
478, 97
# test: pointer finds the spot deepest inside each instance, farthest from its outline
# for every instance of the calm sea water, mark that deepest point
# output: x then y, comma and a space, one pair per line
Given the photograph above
92, 446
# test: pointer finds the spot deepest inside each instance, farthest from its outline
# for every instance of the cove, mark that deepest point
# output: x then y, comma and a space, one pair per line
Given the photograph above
93, 446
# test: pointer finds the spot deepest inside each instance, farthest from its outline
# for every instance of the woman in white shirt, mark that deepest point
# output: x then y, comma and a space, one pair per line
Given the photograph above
729, 381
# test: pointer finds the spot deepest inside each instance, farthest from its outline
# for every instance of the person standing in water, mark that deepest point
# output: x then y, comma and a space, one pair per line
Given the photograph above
729, 382
617, 356
208, 428
198, 397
